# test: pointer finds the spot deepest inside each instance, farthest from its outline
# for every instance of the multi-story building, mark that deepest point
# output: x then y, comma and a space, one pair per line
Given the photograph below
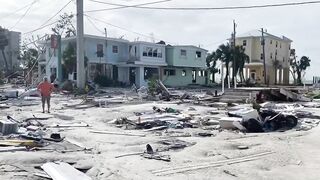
277, 54
118, 59
186, 65
10, 40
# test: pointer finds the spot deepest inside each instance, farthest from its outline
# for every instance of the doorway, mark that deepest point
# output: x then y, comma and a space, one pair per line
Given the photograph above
194, 76
132, 75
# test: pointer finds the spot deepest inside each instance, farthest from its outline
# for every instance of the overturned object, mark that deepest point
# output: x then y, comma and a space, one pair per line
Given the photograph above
150, 154
63, 171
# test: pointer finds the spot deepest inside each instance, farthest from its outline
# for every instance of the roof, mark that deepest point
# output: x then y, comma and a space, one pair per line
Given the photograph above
258, 33
90, 37
145, 42
186, 46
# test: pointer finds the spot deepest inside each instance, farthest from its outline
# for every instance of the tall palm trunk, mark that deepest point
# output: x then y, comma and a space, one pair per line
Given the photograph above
227, 74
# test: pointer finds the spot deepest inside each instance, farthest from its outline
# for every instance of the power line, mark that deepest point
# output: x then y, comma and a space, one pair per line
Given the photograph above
56, 13
25, 13
94, 25
123, 6
215, 8
125, 29
39, 28
16, 11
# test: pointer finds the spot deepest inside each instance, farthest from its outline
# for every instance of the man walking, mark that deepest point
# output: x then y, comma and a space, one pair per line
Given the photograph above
45, 89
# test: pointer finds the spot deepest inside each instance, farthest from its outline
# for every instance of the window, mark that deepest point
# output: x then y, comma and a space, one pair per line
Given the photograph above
155, 53
200, 73
183, 52
283, 59
270, 41
149, 50
276, 43
145, 52
271, 55
244, 42
198, 54
261, 56
169, 72
115, 49
184, 73
276, 52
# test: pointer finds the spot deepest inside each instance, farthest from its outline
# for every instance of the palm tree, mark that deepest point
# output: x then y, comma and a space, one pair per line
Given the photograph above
3, 43
224, 54
241, 59
211, 64
302, 65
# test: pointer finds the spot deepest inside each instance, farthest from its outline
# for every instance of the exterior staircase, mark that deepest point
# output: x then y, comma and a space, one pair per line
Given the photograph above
236, 96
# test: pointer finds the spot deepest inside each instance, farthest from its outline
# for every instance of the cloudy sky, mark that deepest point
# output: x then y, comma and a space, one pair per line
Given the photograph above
205, 28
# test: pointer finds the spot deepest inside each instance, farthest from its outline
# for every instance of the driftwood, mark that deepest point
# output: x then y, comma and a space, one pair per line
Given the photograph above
116, 133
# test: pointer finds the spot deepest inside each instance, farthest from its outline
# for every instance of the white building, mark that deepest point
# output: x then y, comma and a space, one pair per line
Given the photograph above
277, 54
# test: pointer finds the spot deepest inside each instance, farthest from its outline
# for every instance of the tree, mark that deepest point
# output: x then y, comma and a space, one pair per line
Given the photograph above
224, 54
69, 59
293, 60
298, 67
64, 26
211, 61
3, 43
241, 59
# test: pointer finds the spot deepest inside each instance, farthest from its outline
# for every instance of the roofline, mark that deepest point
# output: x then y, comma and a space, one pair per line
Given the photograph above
193, 46
270, 35
90, 37
146, 42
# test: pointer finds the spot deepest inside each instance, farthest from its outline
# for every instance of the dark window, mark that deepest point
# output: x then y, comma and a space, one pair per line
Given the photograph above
184, 73
244, 42
115, 49
155, 53
283, 59
276, 43
183, 52
159, 55
149, 50
150, 73
276, 52
271, 55
198, 54
270, 41
261, 56
99, 50
169, 72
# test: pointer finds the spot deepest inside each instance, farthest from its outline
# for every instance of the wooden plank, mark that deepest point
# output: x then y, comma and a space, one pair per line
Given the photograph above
117, 133
63, 171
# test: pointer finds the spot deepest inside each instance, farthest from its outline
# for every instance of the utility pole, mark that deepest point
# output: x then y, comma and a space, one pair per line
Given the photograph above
234, 76
264, 58
81, 75
59, 67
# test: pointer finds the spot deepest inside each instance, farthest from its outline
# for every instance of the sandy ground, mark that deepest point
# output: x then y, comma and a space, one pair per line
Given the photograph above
295, 154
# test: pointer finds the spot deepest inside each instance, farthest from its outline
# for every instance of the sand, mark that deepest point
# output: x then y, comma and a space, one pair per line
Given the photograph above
295, 154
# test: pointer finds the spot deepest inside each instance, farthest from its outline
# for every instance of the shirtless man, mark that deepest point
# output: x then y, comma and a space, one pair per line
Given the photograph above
45, 89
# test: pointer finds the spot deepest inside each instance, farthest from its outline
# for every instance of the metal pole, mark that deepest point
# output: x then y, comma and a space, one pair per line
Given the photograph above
234, 57
264, 58
81, 75
59, 68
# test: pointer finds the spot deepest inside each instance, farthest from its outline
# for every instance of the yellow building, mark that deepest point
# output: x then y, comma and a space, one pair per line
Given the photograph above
277, 54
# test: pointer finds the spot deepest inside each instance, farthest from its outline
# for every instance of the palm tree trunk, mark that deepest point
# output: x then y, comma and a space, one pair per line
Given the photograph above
275, 75
227, 74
